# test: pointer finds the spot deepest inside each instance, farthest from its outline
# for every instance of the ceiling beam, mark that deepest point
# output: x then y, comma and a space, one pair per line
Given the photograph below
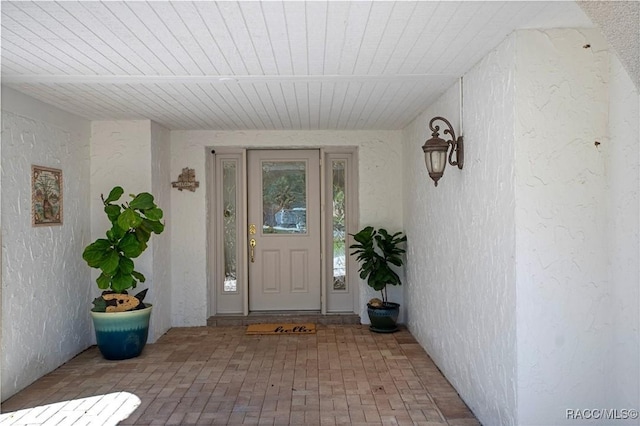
209, 79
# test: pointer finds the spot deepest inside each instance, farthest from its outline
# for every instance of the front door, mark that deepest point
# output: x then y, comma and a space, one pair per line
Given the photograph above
284, 229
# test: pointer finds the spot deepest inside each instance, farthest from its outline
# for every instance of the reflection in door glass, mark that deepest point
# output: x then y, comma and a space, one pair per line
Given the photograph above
230, 222
339, 236
284, 197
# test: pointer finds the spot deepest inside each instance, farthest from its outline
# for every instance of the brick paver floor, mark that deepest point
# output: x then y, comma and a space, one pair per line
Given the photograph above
344, 374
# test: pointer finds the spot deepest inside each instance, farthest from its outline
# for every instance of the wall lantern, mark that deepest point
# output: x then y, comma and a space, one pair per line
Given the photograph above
435, 150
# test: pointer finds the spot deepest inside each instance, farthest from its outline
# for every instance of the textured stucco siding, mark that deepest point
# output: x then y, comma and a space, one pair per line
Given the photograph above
380, 180
160, 287
460, 287
120, 156
45, 283
135, 155
623, 177
561, 243
554, 233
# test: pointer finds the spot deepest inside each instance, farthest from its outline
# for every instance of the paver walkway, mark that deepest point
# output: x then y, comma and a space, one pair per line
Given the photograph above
344, 374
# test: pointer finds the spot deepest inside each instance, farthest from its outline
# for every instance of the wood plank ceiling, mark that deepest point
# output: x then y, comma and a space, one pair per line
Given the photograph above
256, 65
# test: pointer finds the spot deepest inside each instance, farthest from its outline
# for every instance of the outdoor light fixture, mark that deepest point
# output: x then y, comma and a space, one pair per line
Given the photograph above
435, 150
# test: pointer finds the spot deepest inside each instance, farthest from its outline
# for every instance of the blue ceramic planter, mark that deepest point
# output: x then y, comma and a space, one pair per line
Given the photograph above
383, 319
121, 335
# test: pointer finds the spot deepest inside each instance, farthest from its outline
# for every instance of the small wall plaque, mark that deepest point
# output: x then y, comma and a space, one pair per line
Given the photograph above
46, 196
186, 180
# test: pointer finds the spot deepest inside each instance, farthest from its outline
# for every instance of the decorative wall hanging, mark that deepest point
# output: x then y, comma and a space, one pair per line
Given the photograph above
186, 180
46, 196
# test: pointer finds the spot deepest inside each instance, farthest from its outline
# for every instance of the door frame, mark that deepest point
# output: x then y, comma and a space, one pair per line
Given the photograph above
237, 303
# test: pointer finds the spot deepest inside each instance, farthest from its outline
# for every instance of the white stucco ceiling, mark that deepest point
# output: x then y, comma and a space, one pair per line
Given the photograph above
620, 24
257, 65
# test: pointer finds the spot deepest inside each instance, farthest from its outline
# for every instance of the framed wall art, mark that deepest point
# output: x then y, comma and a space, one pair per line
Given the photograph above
46, 196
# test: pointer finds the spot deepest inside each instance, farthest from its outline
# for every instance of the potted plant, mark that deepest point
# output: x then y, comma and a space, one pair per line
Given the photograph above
377, 250
121, 320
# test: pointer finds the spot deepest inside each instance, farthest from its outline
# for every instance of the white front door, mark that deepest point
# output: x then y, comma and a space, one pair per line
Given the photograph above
284, 229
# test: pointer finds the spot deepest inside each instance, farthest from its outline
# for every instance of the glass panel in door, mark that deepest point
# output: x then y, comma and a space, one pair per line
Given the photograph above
340, 197
284, 197
339, 233
228, 290
229, 225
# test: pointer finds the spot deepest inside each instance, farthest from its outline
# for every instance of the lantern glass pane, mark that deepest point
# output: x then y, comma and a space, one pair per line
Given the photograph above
435, 161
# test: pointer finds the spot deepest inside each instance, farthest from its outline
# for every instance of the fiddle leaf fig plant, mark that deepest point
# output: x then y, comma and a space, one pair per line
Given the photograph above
132, 224
376, 250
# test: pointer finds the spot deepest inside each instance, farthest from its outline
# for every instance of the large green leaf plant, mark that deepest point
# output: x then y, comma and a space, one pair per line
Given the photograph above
376, 250
132, 224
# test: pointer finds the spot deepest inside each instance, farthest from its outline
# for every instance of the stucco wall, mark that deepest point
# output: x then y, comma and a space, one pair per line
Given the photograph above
120, 156
125, 153
161, 249
1, 256
565, 233
561, 242
623, 179
46, 292
380, 178
461, 240
553, 236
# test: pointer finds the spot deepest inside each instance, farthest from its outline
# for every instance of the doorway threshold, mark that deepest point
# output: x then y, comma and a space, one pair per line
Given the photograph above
286, 317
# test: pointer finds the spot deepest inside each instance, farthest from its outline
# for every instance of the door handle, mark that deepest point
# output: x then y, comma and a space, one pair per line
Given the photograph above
252, 244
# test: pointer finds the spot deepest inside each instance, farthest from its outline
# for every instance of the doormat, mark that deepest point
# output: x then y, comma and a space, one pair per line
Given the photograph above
281, 329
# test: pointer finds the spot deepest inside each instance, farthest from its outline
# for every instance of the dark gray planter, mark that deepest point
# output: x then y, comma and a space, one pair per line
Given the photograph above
383, 319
